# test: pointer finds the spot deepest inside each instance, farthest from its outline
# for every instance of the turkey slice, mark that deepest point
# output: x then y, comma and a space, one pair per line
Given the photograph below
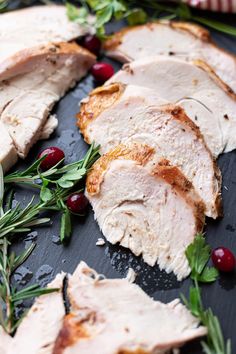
110, 316
49, 127
194, 85
184, 40
8, 153
145, 205
38, 25
5, 341
39, 329
133, 112
27, 99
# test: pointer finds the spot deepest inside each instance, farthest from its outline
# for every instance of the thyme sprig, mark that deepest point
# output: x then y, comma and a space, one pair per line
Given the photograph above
198, 254
9, 295
55, 185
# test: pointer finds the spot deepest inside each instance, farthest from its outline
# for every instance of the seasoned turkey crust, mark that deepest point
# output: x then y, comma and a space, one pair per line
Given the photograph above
137, 152
98, 100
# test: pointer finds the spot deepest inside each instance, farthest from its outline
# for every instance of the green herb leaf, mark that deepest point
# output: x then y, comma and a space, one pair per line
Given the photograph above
65, 233
208, 275
215, 341
103, 16
198, 254
183, 11
1, 190
194, 303
72, 175
72, 11
136, 17
31, 292
22, 258
219, 26
77, 15
45, 193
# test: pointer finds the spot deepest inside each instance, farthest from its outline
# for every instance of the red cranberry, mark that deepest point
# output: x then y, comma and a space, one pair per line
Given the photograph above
102, 72
77, 203
92, 43
53, 156
223, 259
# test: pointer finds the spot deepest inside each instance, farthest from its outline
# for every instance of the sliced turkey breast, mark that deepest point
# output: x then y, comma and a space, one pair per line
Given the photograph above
145, 205
49, 127
8, 153
37, 25
109, 316
5, 341
206, 99
184, 40
131, 112
26, 99
39, 329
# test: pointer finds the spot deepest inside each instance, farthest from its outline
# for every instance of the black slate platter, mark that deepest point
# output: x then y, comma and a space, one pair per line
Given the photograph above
49, 257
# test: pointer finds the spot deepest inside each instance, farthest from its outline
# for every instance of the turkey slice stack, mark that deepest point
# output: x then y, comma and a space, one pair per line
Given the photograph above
106, 316
38, 25
137, 113
40, 79
195, 86
110, 316
183, 40
146, 205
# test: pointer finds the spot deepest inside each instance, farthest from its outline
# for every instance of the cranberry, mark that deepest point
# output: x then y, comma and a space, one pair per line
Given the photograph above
77, 203
102, 72
53, 156
223, 259
92, 43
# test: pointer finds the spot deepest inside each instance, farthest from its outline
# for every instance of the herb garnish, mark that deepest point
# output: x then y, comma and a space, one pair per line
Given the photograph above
55, 185
9, 296
134, 14
198, 254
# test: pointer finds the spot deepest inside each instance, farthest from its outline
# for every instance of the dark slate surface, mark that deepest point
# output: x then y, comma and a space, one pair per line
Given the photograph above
49, 258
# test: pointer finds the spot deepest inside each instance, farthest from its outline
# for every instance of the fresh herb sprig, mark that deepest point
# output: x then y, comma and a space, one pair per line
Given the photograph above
134, 14
9, 295
198, 254
55, 185
131, 11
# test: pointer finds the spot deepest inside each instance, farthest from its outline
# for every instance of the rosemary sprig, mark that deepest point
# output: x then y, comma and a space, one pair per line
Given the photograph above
32, 174
55, 185
198, 254
9, 295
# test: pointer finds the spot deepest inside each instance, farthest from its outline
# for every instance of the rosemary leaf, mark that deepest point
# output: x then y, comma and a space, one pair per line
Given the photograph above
65, 231
22, 257
1, 190
219, 26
